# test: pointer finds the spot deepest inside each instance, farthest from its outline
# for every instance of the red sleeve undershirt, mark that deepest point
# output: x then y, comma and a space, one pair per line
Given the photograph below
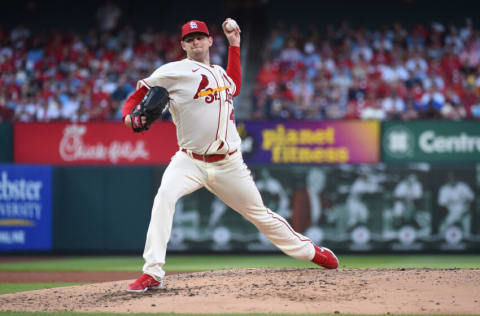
234, 69
133, 100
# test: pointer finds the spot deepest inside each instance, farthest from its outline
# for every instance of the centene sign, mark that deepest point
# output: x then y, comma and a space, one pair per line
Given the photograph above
106, 143
430, 142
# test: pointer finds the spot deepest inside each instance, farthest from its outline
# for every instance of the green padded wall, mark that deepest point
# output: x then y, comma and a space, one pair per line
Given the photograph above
101, 208
6, 142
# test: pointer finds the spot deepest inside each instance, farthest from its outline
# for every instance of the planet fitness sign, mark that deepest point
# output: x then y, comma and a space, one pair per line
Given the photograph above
310, 142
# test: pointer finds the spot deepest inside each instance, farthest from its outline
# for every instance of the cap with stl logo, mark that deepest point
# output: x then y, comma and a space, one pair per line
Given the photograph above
194, 26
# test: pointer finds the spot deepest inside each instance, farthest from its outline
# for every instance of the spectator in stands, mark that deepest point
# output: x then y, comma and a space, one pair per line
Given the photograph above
372, 108
6, 113
268, 73
261, 104
393, 106
311, 60
53, 108
108, 16
452, 108
303, 92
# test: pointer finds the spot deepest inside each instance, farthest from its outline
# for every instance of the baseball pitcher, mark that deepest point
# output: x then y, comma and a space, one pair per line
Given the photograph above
199, 97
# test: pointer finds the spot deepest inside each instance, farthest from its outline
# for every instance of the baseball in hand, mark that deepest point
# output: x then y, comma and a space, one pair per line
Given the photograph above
231, 25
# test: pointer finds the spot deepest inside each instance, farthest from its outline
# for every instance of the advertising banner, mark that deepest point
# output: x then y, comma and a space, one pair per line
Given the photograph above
25, 208
431, 141
309, 142
354, 208
103, 143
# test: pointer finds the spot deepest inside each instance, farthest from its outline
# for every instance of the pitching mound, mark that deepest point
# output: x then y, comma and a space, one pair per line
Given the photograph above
356, 291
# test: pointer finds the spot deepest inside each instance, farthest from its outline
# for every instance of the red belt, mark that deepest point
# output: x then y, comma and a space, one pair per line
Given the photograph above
209, 158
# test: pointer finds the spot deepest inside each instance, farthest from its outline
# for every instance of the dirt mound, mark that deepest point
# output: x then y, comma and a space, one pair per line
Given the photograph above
356, 291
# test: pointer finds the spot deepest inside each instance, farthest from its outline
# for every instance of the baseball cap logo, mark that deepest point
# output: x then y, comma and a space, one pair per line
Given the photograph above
194, 26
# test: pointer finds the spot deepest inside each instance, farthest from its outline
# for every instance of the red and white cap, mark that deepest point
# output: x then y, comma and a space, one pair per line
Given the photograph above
194, 26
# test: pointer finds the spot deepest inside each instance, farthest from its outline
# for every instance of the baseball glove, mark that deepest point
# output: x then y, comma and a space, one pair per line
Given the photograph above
154, 104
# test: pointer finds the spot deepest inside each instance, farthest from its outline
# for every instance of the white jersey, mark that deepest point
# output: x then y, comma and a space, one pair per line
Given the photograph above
456, 197
201, 107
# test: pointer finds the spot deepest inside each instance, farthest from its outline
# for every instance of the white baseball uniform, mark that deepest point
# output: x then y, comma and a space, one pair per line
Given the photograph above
202, 111
456, 197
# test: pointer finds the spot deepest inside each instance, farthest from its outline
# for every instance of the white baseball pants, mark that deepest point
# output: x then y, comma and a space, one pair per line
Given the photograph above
230, 180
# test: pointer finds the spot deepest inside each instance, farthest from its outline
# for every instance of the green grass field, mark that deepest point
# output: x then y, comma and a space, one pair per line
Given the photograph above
215, 262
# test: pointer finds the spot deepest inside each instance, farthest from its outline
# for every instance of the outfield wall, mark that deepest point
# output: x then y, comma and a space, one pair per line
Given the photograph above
99, 198
359, 208
101, 208
6, 143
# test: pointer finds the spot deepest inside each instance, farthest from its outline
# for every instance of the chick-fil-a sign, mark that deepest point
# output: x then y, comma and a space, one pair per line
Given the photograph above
93, 143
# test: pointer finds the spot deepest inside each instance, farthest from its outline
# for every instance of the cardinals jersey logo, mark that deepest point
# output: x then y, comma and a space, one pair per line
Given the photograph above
203, 84
211, 94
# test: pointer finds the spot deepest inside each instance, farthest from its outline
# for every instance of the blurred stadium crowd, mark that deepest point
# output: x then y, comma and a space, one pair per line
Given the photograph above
428, 71
52, 74
392, 72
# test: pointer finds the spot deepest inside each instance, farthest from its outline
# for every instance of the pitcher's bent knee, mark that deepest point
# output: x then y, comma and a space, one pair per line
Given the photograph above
166, 197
